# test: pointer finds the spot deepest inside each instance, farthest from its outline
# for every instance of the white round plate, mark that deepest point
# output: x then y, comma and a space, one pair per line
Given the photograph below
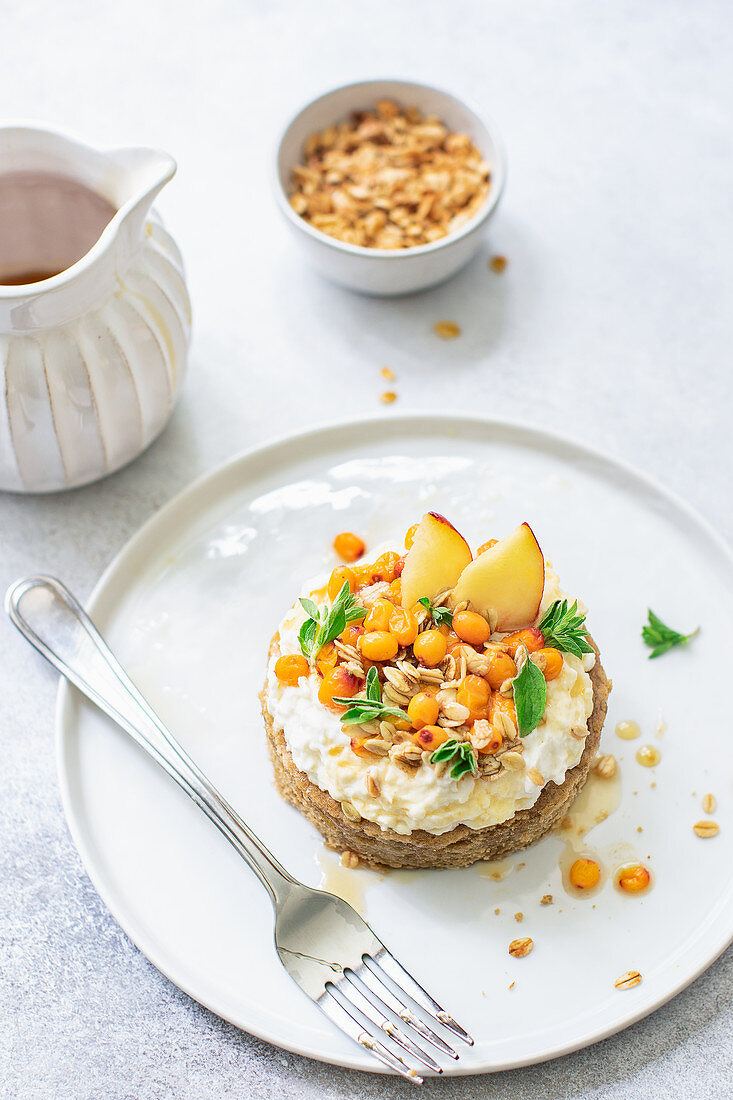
190, 605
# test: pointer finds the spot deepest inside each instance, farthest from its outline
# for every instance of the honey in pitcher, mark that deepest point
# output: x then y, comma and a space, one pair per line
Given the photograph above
47, 223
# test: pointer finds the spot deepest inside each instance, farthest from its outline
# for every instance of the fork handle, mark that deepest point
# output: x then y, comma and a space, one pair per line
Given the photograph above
53, 621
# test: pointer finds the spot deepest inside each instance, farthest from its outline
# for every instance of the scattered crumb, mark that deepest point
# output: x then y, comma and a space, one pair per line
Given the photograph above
628, 980
497, 911
446, 330
639, 829
706, 829
653, 784
520, 866
387, 374
349, 859
520, 948
388, 397
709, 803
498, 264
512, 985
546, 899
519, 917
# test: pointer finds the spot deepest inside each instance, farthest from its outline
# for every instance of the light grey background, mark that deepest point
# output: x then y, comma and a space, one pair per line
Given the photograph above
611, 324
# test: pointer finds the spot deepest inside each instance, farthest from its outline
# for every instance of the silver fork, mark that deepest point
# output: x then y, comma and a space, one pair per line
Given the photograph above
322, 942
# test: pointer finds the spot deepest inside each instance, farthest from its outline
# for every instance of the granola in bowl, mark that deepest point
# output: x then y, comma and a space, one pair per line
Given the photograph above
432, 708
389, 178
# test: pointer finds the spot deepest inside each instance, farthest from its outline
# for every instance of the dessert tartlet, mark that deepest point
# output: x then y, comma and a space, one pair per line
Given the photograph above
434, 708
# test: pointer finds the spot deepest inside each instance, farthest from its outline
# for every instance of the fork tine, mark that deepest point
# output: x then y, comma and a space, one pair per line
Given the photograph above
372, 1007
385, 963
339, 1014
401, 1009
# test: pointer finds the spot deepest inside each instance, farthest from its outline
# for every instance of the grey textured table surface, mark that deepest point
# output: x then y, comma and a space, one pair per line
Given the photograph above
612, 324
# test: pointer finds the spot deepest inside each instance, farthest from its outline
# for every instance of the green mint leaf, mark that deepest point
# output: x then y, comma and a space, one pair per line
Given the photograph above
530, 697
660, 637
466, 763
440, 615
306, 638
310, 608
563, 628
444, 751
324, 623
459, 751
373, 691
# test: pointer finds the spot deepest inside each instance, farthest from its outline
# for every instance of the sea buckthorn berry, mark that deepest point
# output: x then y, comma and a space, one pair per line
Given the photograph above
363, 576
452, 640
430, 648
486, 546
395, 591
336, 581
423, 710
327, 659
337, 683
530, 637
349, 546
502, 704
378, 645
475, 694
501, 668
471, 628
352, 632
430, 738
496, 740
585, 873
378, 615
357, 746
550, 661
385, 566
410, 535
403, 625
633, 879
290, 668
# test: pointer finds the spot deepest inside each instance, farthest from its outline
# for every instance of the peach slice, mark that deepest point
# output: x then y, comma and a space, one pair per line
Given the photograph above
508, 578
435, 561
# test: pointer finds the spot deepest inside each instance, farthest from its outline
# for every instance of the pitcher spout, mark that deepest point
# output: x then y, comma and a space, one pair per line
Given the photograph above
138, 177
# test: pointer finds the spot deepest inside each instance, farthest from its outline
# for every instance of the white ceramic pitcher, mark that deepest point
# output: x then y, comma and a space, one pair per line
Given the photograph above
94, 313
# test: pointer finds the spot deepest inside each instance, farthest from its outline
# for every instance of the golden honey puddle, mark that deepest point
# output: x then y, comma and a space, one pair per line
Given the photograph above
347, 883
628, 731
595, 803
648, 756
497, 870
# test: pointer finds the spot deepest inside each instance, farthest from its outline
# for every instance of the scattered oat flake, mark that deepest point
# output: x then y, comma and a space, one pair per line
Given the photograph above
388, 397
628, 980
520, 948
709, 803
498, 264
446, 330
349, 859
519, 917
546, 899
706, 828
387, 374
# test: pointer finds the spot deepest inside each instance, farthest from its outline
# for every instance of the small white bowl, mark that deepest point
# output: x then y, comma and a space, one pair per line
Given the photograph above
383, 271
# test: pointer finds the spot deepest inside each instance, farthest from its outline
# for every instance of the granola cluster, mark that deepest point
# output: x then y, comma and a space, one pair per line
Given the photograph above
493, 740
389, 178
